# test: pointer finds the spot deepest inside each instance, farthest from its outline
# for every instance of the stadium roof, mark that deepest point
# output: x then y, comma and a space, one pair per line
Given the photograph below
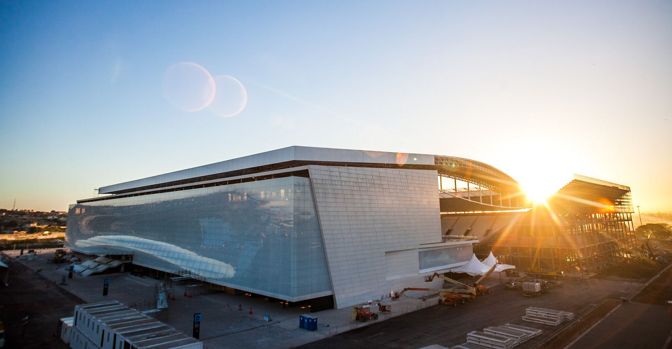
585, 194
298, 155
476, 171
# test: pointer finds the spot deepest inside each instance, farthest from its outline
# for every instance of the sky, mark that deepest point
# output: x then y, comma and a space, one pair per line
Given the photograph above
94, 93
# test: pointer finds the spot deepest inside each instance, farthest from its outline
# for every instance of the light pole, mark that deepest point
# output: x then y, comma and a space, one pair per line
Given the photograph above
640, 216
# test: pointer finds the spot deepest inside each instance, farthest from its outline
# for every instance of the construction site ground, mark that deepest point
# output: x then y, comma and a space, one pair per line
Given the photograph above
229, 321
413, 323
631, 324
29, 294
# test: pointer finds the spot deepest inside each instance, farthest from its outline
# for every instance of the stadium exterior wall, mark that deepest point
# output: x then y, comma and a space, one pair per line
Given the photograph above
365, 212
295, 234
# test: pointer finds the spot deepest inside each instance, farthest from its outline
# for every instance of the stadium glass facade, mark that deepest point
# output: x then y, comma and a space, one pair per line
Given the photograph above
241, 235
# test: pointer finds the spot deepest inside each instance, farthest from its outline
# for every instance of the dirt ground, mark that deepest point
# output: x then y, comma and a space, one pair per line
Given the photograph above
41, 300
642, 269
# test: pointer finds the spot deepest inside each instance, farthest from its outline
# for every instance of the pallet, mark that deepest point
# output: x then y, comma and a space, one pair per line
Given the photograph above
469, 346
547, 316
543, 321
490, 340
536, 310
533, 332
517, 335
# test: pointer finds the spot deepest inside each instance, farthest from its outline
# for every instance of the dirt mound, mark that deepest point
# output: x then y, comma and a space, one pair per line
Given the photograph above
639, 268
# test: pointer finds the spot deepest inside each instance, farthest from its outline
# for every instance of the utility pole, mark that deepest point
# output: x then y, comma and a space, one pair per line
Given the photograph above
640, 215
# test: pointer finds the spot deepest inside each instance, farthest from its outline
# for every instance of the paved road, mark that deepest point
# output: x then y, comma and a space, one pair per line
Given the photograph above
644, 323
633, 325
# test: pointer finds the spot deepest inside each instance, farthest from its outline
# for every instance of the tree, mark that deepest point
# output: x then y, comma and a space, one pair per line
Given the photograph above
659, 231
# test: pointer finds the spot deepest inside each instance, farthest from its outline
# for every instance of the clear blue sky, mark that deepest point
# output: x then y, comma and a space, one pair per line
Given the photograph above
537, 88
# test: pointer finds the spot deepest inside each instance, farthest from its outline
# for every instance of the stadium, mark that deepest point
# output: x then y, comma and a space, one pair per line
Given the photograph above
345, 226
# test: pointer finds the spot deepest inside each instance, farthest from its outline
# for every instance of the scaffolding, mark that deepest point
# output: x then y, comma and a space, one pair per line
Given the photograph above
585, 227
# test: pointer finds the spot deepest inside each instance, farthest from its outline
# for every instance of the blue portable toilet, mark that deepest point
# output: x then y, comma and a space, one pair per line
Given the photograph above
308, 322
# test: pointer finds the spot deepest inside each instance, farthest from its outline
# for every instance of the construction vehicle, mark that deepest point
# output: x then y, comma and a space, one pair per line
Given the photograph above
481, 290
450, 298
453, 291
513, 285
363, 313
457, 287
397, 295
468, 292
384, 308
531, 288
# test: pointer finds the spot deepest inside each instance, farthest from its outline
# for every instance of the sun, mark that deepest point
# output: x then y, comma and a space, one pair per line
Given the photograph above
543, 170
537, 193
539, 188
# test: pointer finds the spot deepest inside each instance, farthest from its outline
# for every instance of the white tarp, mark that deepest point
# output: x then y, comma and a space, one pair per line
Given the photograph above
490, 260
474, 267
502, 267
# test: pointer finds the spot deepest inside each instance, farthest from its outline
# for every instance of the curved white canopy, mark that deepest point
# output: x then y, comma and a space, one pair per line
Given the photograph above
491, 260
474, 267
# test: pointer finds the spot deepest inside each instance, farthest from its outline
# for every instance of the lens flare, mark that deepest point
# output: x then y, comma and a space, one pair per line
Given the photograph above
189, 87
401, 159
231, 97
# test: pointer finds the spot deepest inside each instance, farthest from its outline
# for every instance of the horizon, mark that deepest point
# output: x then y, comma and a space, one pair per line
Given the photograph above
100, 93
542, 201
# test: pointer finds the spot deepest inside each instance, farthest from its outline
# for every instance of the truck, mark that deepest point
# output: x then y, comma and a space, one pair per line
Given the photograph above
531, 288
454, 291
363, 313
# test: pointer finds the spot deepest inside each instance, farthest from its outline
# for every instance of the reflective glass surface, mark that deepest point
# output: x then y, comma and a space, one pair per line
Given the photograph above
444, 256
259, 236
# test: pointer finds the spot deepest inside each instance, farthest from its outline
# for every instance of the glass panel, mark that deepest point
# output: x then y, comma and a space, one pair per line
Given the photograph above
262, 236
444, 256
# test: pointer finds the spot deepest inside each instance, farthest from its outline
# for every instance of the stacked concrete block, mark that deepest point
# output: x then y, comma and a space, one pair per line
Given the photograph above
547, 316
